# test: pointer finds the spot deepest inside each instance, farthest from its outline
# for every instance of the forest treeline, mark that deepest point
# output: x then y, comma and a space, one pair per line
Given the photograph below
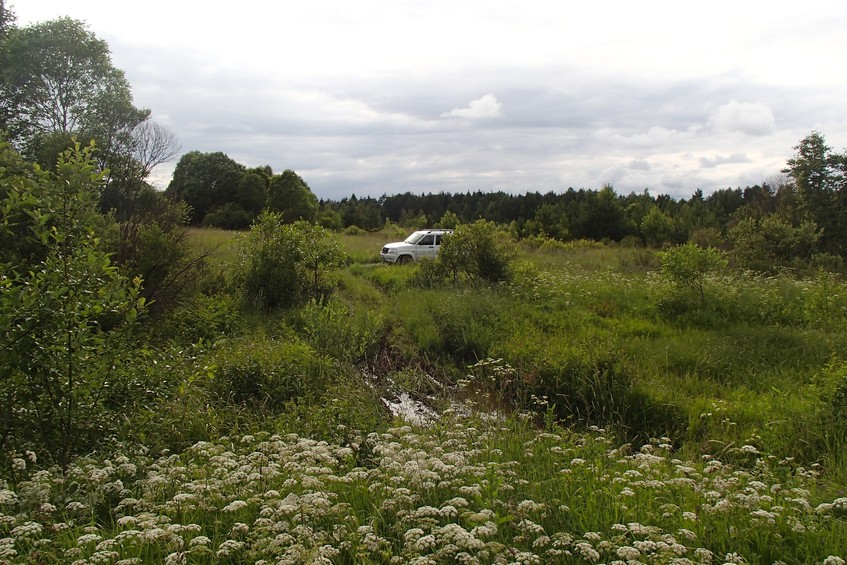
800, 215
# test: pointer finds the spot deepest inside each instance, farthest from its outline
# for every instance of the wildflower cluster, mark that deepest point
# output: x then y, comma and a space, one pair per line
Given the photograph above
463, 491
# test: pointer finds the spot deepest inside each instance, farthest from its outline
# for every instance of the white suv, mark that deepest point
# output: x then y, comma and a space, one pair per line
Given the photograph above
420, 245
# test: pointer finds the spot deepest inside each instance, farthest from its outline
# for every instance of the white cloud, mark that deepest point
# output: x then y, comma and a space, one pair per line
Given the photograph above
485, 107
752, 119
708, 163
639, 165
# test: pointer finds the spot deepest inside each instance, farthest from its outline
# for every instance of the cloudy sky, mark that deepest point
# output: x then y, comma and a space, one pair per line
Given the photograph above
378, 97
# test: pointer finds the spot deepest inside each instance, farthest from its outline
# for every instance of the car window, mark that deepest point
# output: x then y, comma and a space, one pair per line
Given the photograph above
415, 237
438, 239
426, 240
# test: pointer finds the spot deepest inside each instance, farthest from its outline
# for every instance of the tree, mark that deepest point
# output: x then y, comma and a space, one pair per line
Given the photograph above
63, 311
57, 77
552, 220
7, 19
205, 181
289, 195
601, 217
657, 227
820, 181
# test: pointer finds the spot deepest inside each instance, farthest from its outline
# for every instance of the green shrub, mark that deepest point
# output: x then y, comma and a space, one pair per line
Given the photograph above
339, 331
203, 318
267, 373
478, 252
588, 383
65, 312
461, 328
229, 216
348, 411
354, 230
688, 266
392, 277
286, 265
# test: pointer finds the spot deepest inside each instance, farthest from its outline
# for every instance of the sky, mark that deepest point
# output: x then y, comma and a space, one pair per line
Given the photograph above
378, 97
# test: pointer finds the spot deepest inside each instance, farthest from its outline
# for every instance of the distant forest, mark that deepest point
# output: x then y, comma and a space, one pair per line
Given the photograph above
225, 194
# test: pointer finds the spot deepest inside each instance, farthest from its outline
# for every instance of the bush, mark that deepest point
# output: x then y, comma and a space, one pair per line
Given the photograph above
354, 230
229, 216
65, 314
202, 319
688, 266
478, 252
267, 373
286, 265
340, 332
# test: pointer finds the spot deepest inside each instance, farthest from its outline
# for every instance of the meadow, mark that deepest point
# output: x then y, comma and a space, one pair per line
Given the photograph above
586, 411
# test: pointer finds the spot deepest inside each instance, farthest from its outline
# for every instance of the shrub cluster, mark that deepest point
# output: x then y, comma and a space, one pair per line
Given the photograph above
285, 265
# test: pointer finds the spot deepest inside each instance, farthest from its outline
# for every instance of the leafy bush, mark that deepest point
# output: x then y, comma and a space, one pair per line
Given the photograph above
354, 230
688, 266
64, 315
229, 216
338, 331
772, 242
286, 265
478, 252
203, 318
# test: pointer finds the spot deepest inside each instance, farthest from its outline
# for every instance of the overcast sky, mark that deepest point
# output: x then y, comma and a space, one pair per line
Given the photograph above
373, 97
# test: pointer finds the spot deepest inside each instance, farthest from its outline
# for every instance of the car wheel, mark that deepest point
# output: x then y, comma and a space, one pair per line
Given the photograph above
404, 259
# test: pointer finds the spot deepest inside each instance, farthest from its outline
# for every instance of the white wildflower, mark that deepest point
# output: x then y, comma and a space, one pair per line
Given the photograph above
228, 547
627, 553
27, 530
587, 551
235, 506
175, 558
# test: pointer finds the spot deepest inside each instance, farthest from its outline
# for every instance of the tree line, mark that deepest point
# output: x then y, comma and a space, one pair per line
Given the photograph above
797, 214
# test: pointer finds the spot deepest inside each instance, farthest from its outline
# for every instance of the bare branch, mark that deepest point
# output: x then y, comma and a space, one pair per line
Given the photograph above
153, 144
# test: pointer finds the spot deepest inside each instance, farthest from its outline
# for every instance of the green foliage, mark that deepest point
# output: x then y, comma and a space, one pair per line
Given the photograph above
229, 216
448, 221
657, 227
58, 78
772, 243
64, 317
205, 181
151, 241
347, 410
291, 197
354, 230
284, 265
266, 373
202, 318
689, 266
478, 252
821, 187
346, 334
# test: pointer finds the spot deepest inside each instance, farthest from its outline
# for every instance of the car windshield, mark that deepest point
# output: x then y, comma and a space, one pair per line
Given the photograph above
415, 237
